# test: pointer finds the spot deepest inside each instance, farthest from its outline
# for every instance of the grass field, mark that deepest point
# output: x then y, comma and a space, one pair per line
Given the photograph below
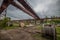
58, 33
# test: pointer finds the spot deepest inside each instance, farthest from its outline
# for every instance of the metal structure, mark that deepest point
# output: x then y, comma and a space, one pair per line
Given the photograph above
25, 7
49, 31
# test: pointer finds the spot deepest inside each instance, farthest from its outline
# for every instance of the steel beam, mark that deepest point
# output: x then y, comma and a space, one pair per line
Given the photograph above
23, 9
4, 5
24, 3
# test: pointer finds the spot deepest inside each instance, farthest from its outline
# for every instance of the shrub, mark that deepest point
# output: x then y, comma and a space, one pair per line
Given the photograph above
3, 23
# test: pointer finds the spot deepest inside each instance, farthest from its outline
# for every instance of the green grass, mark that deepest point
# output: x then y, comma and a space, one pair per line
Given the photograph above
39, 27
38, 37
58, 30
58, 33
58, 37
11, 27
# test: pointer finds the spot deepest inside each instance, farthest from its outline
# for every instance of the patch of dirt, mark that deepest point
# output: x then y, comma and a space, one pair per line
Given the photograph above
20, 34
15, 34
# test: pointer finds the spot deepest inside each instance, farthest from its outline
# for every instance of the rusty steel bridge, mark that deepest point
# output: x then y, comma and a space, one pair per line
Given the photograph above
25, 7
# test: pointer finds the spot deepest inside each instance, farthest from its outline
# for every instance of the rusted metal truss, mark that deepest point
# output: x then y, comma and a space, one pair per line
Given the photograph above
25, 7
24, 3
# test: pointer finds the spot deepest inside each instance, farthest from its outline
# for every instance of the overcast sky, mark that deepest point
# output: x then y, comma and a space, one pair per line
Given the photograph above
41, 7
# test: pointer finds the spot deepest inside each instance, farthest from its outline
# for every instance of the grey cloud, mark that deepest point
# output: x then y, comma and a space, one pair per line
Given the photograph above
53, 7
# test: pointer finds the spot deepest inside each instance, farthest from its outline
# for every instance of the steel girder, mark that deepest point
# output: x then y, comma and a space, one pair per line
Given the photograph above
24, 3
6, 3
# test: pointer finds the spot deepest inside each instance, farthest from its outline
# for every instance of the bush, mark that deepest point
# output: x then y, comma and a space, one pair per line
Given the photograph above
3, 23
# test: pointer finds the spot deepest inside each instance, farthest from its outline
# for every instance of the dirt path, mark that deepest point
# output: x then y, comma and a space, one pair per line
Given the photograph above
19, 34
